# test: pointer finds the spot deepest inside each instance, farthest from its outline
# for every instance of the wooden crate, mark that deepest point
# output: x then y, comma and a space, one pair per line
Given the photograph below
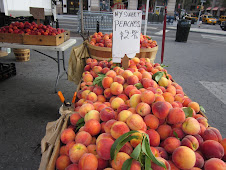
44, 40
67, 35
11, 38
148, 53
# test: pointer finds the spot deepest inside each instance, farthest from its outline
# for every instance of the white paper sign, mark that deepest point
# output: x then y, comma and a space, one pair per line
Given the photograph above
126, 33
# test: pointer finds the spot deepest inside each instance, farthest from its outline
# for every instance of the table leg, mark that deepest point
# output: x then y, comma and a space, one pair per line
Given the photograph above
64, 62
58, 74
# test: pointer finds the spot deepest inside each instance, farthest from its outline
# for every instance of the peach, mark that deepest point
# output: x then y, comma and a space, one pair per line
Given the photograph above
122, 107
125, 74
72, 167
98, 90
85, 108
148, 97
131, 80
105, 70
195, 106
160, 109
103, 147
116, 88
101, 98
151, 121
177, 132
135, 100
67, 135
118, 129
102, 164
123, 97
184, 157
121, 157
186, 101
119, 79
93, 127
212, 133
179, 98
108, 125
92, 149
143, 109
107, 113
87, 78
111, 73
191, 126
85, 93
134, 91
163, 152
157, 167
159, 98
135, 122
214, 164
175, 115
191, 142
135, 165
127, 148
134, 142
104, 135
168, 97
133, 110
170, 144
128, 89
97, 69
74, 118
123, 115
100, 107
163, 82
148, 83
172, 165
146, 75
116, 103
199, 160
84, 138
63, 149
203, 120
212, 149
164, 131
138, 74
107, 93
223, 143
62, 162
171, 89
88, 161
76, 152
154, 137
92, 114
107, 81
199, 138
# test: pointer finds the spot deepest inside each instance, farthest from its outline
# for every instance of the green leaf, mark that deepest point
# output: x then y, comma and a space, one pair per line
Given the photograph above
162, 65
118, 141
157, 76
147, 163
188, 111
136, 152
110, 60
127, 164
80, 121
166, 75
138, 85
98, 80
202, 109
176, 135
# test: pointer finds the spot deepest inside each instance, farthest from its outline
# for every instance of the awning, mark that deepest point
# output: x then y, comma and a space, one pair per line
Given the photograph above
209, 8
215, 8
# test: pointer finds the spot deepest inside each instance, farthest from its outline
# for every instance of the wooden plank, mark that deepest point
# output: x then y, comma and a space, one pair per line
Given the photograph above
11, 38
67, 35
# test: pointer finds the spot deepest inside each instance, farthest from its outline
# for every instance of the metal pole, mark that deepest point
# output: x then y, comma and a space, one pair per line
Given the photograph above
164, 33
199, 13
81, 12
146, 17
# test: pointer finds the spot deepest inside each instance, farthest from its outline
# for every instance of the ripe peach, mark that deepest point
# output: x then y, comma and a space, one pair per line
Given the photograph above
133, 110
100, 107
199, 160
123, 115
98, 90
163, 82
135, 165
85, 108
170, 144
135, 100
116, 88
143, 109
111, 73
72, 167
164, 131
171, 89
175, 115
116, 103
203, 121
119, 79
128, 89
179, 98
76, 152
92, 149
107, 113
148, 97
125, 74
92, 114
168, 97
103, 147
138, 74
223, 143
74, 118
157, 167
134, 142
97, 69
85, 93
151, 121
163, 152
148, 83
195, 106
122, 107
172, 165
62, 162
186, 101
67, 135
118, 129
87, 78
102, 164
135, 122
93, 127
191, 142
159, 98
179, 133
108, 125
212, 133
160, 109
84, 138
63, 149
107, 93
88, 161
214, 164
107, 81
121, 157
154, 137
101, 98
123, 97
134, 91
184, 157
105, 70
212, 149
191, 126
127, 148
131, 80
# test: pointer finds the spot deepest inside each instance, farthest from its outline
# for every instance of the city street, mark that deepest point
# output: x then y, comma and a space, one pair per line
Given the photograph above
28, 102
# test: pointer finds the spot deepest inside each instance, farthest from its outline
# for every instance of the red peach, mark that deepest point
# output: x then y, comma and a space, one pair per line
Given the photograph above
127, 148
118, 129
157, 167
131, 80
168, 97
87, 78
164, 131
85, 108
108, 125
107, 81
143, 109
199, 160
214, 164
88, 161
170, 144
116, 103
163, 152
223, 143
76, 152
111, 73
151, 121
119, 79
116, 88
160, 109
212, 133
212, 149
154, 137
135, 122
148, 97
107, 113
84, 138
72, 167
191, 126
128, 89
93, 127
175, 115
62, 162
134, 91
125, 74
191, 142
67, 135
74, 118
98, 90
103, 148
121, 157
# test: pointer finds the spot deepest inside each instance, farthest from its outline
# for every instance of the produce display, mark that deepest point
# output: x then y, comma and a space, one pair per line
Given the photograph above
30, 29
137, 118
105, 40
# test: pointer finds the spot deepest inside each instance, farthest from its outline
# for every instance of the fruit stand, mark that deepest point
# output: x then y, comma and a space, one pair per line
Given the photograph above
134, 118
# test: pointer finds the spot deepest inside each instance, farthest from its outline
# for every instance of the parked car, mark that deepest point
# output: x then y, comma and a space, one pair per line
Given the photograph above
222, 18
193, 18
217, 19
209, 19
223, 25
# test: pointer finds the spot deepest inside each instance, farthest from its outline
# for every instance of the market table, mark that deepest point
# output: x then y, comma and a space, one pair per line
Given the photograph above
60, 48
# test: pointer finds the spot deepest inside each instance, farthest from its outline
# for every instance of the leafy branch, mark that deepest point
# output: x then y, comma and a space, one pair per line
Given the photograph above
98, 80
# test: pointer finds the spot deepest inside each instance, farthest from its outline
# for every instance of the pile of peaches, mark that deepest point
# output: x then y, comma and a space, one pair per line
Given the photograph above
105, 40
145, 100
30, 29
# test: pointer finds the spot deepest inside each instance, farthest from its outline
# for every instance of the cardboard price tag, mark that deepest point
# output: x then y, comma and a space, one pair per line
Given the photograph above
126, 33
38, 13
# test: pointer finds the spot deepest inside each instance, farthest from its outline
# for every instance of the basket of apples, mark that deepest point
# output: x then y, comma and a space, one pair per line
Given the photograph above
100, 46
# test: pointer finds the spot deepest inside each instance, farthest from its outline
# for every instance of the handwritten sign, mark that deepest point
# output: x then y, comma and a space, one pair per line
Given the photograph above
38, 13
126, 33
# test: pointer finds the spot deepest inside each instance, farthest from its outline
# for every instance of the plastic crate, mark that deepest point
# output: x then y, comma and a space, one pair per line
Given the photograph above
7, 70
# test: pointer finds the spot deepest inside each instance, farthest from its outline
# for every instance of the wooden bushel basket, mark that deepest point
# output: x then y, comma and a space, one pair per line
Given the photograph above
22, 54
105, 53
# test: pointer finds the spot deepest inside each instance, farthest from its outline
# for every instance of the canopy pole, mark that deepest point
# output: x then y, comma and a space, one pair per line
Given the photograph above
146, 17
164, 33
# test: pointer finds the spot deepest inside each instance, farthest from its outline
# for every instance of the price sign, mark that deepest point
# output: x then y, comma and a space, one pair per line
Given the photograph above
38, 13
126, 33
